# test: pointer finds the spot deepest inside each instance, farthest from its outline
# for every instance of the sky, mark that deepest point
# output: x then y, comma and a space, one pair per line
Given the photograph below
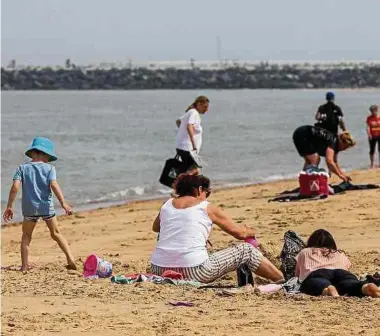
46, 32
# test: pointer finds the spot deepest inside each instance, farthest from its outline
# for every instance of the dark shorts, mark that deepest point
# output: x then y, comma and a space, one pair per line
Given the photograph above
186, 159
302, 142
372, 145
345, 282
35, 219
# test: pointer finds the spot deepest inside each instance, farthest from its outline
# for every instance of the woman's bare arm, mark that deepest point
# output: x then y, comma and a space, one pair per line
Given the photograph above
221, 219
369, 132
156, 224
190, 130
333, 166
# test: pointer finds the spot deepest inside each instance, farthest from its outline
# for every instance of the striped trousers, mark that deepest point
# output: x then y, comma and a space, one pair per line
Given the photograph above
218, 264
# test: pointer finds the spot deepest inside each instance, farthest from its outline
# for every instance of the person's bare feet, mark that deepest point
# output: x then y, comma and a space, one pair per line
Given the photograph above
371, 290
330, 291
71, 266
25, 270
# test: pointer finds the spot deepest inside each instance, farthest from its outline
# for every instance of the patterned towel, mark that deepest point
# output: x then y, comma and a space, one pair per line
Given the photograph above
156, 279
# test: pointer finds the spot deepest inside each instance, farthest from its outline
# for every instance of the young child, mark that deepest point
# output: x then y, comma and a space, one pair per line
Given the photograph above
38, 179
323, 270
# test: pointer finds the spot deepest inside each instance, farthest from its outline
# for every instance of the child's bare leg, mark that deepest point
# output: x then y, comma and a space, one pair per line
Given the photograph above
52, 224
27, 232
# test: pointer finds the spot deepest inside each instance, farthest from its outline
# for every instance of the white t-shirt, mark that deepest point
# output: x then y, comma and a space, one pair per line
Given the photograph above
183, 138
183, 236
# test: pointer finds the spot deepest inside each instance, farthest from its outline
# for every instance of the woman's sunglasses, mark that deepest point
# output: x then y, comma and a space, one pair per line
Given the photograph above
208, 191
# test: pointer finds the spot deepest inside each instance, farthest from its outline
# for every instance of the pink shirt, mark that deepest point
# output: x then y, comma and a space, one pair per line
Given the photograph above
312, 259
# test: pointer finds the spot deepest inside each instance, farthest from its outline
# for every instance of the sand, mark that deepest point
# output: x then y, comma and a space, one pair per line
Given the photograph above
50, 299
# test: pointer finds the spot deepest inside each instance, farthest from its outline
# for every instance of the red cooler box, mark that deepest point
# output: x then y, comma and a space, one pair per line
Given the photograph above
312, 184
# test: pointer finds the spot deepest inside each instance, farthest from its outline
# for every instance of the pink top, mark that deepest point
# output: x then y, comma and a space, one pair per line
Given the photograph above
312, 259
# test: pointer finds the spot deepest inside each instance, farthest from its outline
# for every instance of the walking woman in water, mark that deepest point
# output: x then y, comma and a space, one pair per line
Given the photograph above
189, 136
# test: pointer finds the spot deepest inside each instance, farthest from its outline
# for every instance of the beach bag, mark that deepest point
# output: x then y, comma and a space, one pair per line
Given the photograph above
293, 244
375, 278
95, 267
173, 167
244, 276
314, 184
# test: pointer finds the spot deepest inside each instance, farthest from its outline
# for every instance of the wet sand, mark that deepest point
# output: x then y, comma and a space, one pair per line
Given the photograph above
49, 299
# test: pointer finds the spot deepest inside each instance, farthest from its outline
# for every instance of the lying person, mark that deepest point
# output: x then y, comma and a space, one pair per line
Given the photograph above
184, 225
313, 142
323, 270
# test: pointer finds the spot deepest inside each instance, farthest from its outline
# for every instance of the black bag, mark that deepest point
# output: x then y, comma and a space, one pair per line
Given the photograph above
173, 167
244, 276
293, 244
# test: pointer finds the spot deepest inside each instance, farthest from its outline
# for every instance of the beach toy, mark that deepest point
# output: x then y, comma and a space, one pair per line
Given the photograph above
252, 241
95, 267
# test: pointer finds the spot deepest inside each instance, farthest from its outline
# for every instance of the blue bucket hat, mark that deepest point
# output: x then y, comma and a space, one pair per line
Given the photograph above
43, 145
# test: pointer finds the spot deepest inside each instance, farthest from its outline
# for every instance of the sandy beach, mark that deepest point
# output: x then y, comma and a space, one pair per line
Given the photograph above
49, 299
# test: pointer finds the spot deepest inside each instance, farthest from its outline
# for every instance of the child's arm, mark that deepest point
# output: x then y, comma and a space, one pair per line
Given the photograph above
58, 193
8, 213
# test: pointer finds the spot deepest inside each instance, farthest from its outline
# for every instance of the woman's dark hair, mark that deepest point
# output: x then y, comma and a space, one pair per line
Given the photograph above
187, 185
322, 239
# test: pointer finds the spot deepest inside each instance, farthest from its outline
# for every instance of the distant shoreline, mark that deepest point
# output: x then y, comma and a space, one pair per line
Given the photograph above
238, 75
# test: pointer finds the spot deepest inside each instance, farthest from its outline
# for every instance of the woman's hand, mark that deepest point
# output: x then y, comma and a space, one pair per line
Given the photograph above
250, 232
346, 178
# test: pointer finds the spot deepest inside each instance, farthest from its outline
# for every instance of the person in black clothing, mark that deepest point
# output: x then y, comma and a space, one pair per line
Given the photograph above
313, 142
330, 116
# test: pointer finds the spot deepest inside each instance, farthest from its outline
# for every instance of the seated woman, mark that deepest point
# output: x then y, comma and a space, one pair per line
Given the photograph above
313, 142
184, 225
323, 270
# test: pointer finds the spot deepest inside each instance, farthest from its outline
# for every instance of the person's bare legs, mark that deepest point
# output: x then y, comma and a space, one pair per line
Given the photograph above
372, 160
27, 232
313, 159
371, 290
52, 224
330, 291
269, 271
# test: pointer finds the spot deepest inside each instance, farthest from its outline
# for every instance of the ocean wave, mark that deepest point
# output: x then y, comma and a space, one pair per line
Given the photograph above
147, 192
278, 177
130, 193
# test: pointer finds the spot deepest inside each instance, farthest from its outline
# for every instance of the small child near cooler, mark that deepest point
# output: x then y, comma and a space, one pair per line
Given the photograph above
38, 180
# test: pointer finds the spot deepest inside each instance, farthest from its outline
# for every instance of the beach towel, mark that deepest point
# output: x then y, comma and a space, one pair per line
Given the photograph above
348, 186
293, 244
129, 279
296, 197
293, 195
